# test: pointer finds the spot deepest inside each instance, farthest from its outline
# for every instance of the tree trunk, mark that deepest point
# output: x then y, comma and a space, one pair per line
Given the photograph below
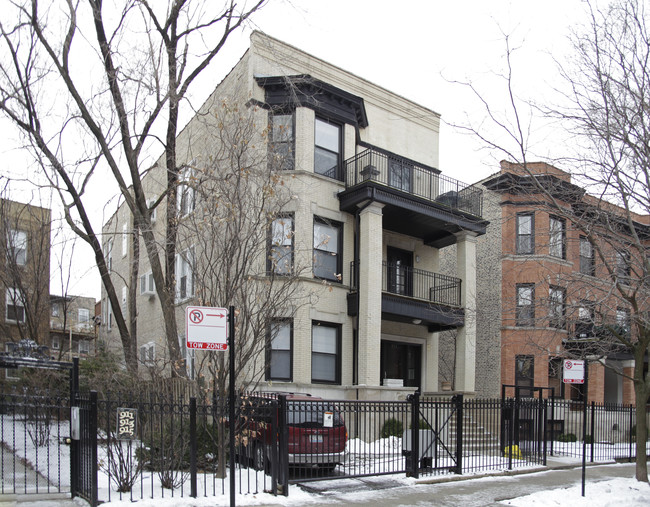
641, 396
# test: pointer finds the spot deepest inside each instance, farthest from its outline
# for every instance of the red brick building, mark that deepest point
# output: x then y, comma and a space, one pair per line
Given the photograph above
556, 283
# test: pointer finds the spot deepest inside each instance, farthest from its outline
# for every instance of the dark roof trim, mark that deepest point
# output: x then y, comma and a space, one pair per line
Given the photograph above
304, 90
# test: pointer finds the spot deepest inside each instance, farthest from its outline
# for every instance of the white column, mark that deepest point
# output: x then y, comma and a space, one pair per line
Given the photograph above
432, 354
370, 273
466, 337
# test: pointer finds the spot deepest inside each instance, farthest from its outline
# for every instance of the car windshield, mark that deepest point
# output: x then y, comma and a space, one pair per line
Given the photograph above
310, 414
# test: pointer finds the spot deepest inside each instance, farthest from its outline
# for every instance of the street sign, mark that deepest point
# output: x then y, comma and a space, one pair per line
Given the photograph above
206, 328
574, 371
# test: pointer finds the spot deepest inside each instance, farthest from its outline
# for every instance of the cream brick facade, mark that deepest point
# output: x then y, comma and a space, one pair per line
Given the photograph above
388, 320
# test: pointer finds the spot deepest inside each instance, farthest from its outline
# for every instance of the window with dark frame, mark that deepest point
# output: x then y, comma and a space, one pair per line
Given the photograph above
325, 353
327, 148
557, 237
623, 320
281, 246
525, 233
279, 361
584, 326
327, 249
282, 141
15, 306
17, 246
185, 275
525, 375
587, 261
623, 266
525, 313
556, 307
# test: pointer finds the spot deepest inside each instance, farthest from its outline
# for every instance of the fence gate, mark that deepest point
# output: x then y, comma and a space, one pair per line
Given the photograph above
436, 431
36, 451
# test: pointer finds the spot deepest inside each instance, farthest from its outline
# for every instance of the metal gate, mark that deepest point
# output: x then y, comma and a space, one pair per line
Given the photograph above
38, 453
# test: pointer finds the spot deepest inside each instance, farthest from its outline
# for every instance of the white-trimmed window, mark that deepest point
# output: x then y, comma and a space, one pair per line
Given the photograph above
56, 342
125, 239
83, 315
17, 246
14, 306
185, 192
185, 275
148, 354
557, 307
84, 347
557, 237
109, 255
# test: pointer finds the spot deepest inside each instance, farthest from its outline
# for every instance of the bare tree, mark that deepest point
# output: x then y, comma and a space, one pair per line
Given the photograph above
607, 120
91, 88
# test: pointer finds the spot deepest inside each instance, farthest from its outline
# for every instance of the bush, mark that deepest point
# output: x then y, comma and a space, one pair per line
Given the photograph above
589, 439
392, 428
567, 437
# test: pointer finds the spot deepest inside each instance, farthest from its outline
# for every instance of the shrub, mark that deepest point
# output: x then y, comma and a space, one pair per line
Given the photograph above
392, 428
589, 439
567, 437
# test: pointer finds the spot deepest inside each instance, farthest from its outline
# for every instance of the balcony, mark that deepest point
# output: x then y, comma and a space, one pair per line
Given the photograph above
418, 200
414, 295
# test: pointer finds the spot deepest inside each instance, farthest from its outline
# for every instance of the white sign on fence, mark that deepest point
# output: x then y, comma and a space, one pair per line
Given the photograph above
574, 371
206, 328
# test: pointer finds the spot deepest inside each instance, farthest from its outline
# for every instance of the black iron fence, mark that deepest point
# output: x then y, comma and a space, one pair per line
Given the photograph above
416, 179
157, 446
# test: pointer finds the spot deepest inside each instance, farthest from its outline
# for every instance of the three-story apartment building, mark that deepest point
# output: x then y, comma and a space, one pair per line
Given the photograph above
369, 214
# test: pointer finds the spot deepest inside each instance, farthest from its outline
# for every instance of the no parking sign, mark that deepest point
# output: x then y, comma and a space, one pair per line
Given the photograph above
574, 371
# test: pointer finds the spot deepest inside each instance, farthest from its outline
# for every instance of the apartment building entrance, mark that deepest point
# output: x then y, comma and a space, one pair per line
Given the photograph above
401, 361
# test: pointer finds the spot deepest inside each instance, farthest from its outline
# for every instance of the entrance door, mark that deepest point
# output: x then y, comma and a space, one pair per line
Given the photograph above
400, 271
401, 361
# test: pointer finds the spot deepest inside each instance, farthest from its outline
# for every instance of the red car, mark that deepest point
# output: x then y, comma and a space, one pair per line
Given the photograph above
316, 432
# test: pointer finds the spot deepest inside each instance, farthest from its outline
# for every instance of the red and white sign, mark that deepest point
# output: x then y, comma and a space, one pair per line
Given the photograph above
574, 371
206, 328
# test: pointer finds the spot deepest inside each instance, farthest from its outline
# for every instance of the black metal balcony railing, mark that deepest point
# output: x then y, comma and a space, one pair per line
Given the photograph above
417, 283
406, 176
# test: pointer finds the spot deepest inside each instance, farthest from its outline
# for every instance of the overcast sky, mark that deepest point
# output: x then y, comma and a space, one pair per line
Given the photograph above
414, 48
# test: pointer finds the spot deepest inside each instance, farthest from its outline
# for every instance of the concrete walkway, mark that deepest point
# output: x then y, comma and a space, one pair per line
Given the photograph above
450, 491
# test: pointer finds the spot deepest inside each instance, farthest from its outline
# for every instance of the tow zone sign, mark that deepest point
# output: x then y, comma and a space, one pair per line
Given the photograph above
206, 328
574, 372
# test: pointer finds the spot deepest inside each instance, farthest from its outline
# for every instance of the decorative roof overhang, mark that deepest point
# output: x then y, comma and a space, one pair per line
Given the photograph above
289, 92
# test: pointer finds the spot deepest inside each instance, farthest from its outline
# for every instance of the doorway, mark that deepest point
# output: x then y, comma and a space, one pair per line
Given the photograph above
400, 271
401, 361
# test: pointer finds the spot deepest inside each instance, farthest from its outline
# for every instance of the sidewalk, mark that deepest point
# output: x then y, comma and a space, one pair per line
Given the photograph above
387, 491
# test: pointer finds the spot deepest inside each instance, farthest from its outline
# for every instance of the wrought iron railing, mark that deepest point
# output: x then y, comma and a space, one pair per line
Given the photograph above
418, 180
416, 283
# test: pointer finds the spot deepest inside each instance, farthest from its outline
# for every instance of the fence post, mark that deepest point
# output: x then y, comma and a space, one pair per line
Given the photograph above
458, 399
74, 444
593, 429
415, 435
545, 429
193, 447
630, 432
283, 446
92, 423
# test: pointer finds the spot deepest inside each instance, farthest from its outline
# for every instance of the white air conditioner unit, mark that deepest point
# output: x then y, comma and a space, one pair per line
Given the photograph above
154, 212
147, 285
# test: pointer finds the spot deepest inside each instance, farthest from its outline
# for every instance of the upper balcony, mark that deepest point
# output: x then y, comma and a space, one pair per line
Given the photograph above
418, 201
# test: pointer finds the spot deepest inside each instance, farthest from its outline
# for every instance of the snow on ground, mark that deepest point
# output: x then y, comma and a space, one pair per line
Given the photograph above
611, 493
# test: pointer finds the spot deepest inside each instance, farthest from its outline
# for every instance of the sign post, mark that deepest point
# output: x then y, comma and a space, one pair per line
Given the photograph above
575, 372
